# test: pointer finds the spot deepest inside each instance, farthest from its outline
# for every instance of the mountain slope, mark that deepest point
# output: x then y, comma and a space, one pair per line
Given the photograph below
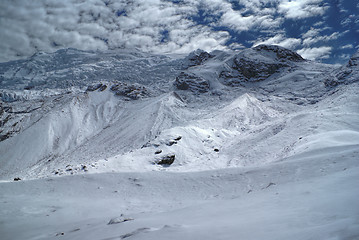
253, 144
102, 127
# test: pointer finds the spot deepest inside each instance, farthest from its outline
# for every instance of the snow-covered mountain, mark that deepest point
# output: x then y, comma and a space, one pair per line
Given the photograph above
208, 121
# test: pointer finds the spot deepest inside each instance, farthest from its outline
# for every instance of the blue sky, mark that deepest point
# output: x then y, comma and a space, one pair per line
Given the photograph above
323, 30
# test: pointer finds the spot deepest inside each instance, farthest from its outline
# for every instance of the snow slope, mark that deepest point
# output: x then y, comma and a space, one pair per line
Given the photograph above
310, 196
250, 144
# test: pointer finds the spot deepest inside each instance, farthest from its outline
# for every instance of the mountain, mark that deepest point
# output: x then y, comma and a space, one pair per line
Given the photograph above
180, 135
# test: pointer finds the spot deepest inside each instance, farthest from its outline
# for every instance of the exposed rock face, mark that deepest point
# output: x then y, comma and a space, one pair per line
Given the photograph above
167, 160
100, 87
354, 60
245, 70
7, 125
346, 74
280, 52
197, 58
132, 91
257, 64
186, 81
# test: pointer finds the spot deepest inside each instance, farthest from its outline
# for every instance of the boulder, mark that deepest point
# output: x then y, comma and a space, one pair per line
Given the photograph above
166, 160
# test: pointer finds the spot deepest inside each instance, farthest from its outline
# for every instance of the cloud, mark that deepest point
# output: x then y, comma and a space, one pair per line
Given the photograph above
315, 53
236, 21
312, 32
348, 46
255, 15
236, 46
298, 9
280, 40
164, 26
314, 39
31, 26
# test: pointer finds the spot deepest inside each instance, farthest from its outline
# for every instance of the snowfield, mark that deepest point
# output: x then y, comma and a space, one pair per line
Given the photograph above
256, 144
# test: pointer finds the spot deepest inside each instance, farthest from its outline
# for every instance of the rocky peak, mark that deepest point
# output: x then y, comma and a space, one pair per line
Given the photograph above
354, 60
280, 52
347, 74
196, 58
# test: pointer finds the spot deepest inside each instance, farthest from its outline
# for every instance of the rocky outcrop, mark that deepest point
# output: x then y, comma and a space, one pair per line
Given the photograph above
166, 160
196, 58
131, 91
257, 64
247, 70
347, 74
186, 81
282, 54
100, 87
354, 60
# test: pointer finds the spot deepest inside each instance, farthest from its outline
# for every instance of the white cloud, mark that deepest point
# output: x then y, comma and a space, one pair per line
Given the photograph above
29, 26
312, 32
280, 40
298, 9
311, 40
235, 20
315, 53
348, 46
236, 46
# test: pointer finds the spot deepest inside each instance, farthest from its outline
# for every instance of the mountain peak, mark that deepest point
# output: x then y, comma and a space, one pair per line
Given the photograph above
354, 60
281, 53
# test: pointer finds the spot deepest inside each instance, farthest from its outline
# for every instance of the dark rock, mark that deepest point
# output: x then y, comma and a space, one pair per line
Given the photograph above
270, 184
102, 88
158, 151
354, 60
28, 87
216, 150
245, 70
197, 58
346, 74
132, 91
93, 87
178, 138
167, 160
191, 82
281, 53
5, 136
170, 143
258, 64
17, 179
6, 119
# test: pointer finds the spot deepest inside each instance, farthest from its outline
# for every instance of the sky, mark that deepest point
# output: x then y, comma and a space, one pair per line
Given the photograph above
321, 30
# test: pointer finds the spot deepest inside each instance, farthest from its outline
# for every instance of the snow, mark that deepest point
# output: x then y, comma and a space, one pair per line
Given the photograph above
305, 197
273, 159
